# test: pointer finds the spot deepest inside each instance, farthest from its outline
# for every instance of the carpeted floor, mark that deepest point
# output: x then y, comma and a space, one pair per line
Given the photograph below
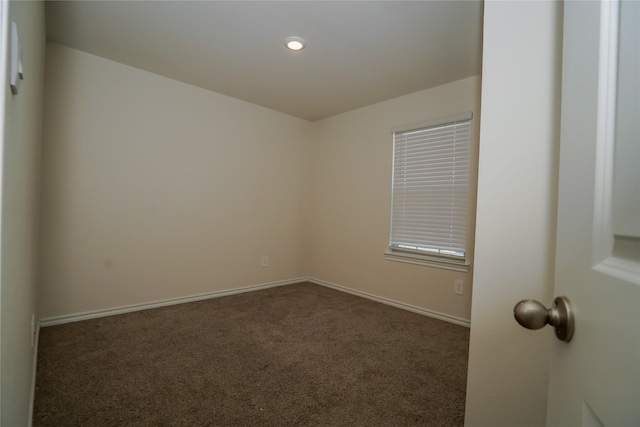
297, 355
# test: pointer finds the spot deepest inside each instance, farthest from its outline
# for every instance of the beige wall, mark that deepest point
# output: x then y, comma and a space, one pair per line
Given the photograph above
20, 195
516, 216
351, 201
154, 189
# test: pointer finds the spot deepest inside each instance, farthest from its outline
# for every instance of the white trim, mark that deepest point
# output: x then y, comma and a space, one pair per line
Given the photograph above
603, 236
435, 262
58, 320
387, 301
4, 45
32, 392
620, 268
433, 122
605, 133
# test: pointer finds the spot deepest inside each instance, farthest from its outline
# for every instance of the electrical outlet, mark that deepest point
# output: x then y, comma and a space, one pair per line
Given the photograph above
265, 261
33, 330
458, 287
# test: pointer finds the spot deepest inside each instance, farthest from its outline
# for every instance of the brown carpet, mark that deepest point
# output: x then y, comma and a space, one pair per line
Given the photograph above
297, 355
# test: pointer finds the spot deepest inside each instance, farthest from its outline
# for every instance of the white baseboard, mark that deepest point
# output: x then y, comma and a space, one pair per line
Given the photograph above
58, 320
34, 368
387, 301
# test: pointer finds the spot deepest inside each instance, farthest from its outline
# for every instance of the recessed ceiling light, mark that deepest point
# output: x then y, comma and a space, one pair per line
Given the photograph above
294, 43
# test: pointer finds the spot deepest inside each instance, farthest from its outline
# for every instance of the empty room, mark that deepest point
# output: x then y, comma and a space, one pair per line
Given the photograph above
288, 213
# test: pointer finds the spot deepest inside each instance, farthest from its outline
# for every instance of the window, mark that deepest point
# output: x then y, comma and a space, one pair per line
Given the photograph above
430, 194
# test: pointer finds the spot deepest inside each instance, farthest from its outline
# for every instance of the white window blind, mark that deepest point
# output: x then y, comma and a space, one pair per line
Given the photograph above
430, 189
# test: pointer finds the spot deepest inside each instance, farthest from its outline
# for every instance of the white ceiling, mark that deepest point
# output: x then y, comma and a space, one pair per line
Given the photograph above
358, 52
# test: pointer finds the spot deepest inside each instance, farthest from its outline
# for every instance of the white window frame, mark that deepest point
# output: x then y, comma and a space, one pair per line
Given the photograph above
426, 252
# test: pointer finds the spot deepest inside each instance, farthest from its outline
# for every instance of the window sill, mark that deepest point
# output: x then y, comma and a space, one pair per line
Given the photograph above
429, 261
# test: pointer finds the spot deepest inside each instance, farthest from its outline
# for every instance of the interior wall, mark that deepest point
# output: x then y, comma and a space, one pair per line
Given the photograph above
516, 215
154, 189
351, 201
20, 201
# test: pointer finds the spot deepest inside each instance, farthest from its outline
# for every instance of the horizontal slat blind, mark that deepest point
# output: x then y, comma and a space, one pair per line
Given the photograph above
430, 189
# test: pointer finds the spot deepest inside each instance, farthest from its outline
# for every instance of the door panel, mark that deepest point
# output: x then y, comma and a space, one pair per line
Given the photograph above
595, 379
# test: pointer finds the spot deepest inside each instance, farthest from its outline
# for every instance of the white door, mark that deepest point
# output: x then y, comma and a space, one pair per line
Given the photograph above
595, 378
4, 45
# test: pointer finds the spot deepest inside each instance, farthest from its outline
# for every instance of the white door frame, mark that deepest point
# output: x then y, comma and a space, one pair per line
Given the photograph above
4, 55
516, 211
